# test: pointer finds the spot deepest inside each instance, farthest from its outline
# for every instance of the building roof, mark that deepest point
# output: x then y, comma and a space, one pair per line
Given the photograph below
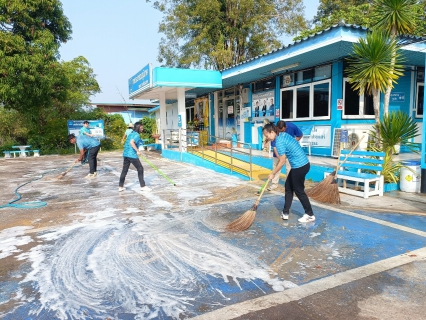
332, 44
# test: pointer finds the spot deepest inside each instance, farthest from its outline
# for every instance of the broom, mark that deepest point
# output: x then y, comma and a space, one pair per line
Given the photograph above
246, 220
327, 191
158, 170
64, 173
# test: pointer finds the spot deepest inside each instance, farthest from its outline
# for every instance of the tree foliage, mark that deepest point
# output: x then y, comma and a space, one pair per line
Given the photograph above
216, 34
366, 13
375, 61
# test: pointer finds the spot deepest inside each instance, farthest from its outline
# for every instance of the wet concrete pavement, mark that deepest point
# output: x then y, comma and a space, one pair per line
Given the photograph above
94, 253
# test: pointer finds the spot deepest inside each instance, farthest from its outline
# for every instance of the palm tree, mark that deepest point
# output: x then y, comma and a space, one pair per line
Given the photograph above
395, 17
370, 67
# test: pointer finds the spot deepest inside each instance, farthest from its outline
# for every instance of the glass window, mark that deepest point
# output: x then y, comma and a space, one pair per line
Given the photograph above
305, 76
264, 85
420, 98
355, 105
321, 99
287, 104
322, 73
302, 102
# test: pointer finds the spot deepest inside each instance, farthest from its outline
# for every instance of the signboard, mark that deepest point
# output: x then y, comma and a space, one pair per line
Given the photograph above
96, 127
320, 136
179, 121
339, 104
397, 96
263, 106
141, 81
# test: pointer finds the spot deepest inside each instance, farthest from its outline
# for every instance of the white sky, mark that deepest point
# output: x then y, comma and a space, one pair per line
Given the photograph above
118, 38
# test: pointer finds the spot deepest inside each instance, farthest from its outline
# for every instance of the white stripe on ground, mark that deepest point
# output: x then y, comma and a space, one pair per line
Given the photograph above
313, 287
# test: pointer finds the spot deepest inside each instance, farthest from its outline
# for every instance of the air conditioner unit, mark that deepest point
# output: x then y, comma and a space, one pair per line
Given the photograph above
354, 136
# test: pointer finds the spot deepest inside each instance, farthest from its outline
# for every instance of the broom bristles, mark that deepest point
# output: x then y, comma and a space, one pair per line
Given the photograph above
242, 223
327, 191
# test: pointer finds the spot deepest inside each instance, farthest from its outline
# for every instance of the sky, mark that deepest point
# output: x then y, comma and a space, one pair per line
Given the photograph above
119, 38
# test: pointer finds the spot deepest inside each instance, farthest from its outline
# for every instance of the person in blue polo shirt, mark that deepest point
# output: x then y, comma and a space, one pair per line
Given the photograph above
131, 156
297, 134
288, 147
85, 129
89, 148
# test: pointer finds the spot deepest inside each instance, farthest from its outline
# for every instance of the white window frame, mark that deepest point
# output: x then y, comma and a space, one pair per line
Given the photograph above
417, 100
361, 105
311, 100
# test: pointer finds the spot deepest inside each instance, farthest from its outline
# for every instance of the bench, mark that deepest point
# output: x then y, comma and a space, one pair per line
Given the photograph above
363, 168
8, 154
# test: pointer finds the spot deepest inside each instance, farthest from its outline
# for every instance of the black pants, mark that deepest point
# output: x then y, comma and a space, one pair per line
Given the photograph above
126, 164
295, 183
92, 158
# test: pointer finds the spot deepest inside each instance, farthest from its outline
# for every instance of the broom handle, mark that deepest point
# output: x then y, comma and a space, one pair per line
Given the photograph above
263, 190
69, 169
347, 156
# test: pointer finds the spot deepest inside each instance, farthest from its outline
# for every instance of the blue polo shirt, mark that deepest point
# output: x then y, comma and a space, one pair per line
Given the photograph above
289, 146
293, 130
83, 130
129, 152
85, 142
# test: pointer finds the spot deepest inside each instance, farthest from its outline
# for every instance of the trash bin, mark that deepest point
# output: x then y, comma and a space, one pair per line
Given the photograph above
409, 180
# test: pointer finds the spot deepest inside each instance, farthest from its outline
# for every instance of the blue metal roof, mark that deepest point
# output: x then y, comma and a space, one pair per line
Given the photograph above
330, 45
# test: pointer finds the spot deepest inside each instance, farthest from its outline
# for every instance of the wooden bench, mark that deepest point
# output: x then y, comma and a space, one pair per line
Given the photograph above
361, 167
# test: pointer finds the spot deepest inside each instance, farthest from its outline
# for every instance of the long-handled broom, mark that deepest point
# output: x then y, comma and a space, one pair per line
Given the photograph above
327, 191
246, 220
158, 170
64, 173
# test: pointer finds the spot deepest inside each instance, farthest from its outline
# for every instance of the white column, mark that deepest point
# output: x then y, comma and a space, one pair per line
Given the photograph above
216, 114
182, 113
163, 120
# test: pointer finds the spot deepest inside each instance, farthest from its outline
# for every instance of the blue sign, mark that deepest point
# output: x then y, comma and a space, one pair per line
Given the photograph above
344, 137
141, 81
96, 127
179, 121
397, 96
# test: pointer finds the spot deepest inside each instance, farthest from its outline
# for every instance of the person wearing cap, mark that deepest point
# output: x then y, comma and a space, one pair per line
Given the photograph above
85, 129
131, 156
89, 148
128, 131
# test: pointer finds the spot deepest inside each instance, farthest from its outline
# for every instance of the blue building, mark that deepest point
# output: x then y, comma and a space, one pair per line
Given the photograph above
304, 82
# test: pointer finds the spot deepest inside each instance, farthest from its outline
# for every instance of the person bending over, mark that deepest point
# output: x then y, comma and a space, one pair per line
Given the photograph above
89, 148
288, 147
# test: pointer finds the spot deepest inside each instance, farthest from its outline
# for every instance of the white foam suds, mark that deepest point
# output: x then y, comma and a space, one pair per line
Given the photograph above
159, 263
11, 239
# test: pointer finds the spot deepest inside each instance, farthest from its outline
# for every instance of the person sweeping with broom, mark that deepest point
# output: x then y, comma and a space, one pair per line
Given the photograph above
131, 156
288, 147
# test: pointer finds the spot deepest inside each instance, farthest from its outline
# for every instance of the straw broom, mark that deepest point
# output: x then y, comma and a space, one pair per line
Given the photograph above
246, 220
327, 191
64, 173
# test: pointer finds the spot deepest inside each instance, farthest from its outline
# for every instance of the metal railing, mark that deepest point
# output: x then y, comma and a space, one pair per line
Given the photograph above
200, 142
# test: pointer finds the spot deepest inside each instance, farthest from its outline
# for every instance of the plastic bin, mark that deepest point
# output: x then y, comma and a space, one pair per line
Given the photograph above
409, 180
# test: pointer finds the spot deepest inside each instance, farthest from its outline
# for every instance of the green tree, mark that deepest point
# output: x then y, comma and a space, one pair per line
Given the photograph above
370, 67
30, 34
216, 34
395, 17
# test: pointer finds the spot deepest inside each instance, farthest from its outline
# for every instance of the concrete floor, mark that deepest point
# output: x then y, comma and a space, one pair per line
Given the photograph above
93, 253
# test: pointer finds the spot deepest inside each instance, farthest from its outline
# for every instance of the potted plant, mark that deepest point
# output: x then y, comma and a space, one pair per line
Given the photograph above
396, 128
155, 134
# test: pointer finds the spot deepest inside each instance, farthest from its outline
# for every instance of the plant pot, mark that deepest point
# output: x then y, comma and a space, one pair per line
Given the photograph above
156, 136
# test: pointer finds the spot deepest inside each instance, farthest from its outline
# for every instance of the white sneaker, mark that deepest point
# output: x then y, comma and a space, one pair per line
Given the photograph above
272, 187
90, 176
145, 189
121, 189
284, 216
307, 218
95, 174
